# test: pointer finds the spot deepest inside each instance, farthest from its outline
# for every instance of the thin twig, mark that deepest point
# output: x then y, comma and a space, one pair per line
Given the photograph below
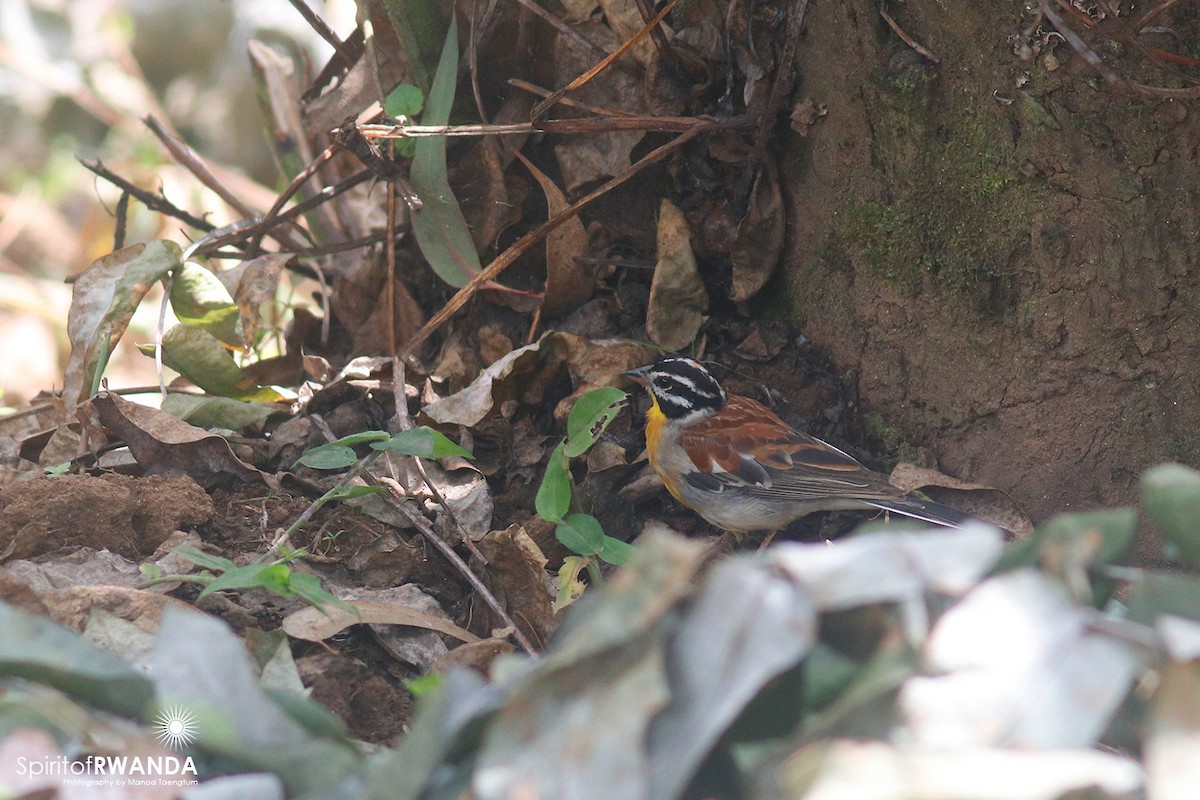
559, 126
122, 215
1145, 19
908, 40
563, 28
785, 74
159, 331
397, 501
1097, 63
317, 24
293, 187
544, 106
404, 422
665, 53
245, 228
194, 164
599, 111
390, 254
155, 202
517, 248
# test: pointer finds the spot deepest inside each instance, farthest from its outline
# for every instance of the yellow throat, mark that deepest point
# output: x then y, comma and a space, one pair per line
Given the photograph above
656, 420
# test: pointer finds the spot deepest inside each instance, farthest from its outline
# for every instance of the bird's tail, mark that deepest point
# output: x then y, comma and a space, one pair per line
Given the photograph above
926, 511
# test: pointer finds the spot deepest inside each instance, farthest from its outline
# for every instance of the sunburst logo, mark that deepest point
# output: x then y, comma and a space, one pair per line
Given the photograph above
176, 727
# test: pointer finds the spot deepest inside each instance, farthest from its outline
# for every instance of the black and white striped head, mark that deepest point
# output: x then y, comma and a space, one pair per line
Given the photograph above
681, 387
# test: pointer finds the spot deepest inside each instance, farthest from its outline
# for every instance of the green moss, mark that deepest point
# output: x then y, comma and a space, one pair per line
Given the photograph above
889, 438
958, 214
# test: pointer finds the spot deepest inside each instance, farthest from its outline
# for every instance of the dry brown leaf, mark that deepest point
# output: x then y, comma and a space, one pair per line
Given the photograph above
165, 445
568, 283
516, 574
103, 300
75, 606
421, 647
759, 242
315, 625
678, 299
626, 20
465, 491
579, 10
985, 502
475, 655
251, 284
584, 160
523, 373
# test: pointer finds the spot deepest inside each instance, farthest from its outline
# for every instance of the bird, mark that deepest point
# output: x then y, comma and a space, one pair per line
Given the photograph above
737, 464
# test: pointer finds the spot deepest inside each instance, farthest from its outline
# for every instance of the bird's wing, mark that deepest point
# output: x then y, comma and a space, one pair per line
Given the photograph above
748, 446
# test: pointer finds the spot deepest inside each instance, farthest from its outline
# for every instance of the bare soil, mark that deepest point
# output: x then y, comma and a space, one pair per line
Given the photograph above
1004, 255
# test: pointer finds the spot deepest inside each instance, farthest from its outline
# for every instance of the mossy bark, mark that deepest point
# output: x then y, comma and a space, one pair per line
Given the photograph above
1006, 254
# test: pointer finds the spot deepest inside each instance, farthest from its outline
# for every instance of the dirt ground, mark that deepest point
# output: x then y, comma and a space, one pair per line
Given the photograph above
1005, 256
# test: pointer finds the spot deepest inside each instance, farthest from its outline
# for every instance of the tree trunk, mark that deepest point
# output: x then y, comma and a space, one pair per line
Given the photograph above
1006, 253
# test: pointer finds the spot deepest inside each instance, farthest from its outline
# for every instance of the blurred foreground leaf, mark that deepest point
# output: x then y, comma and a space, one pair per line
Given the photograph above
1171, 493
200, 665
35, 648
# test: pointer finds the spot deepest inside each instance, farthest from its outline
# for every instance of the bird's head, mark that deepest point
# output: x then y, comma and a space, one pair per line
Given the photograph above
680, 387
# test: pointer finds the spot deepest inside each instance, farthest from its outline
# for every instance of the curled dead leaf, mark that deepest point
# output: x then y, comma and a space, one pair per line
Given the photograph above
316, 625
165, 445
985, 502
591, 363
678, 299
568, 283
251, 284
516, 573
759, 241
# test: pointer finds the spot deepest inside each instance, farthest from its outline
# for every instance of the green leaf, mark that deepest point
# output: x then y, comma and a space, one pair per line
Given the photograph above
590, 415
419, 26
275, 578
217, 412
440, 228
361, 437
581, 533
424, 442
39, 650
1171, 493
198, 356
1091, 539
1155, 593
350, 492
406, 100
554, 495
202, 559
329, 456
420, 686
614, 551
199, 298
308, 588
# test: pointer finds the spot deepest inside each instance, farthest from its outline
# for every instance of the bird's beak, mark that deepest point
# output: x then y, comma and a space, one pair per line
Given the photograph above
638, 375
